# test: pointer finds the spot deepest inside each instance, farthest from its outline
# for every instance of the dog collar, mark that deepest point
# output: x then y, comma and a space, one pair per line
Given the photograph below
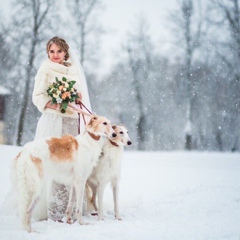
113, 143
94, 136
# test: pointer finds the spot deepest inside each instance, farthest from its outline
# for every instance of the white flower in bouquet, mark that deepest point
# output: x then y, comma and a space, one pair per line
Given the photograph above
59, 100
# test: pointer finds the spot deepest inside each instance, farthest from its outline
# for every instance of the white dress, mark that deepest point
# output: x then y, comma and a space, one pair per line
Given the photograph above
56, 126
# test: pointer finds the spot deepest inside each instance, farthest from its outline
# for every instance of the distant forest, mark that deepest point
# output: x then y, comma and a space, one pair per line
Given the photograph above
187, 100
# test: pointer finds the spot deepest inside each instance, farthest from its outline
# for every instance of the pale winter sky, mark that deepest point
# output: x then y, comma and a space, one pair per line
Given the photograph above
120, 16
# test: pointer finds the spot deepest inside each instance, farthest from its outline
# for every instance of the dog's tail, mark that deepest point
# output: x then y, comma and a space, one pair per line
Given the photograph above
29, 187
10, 202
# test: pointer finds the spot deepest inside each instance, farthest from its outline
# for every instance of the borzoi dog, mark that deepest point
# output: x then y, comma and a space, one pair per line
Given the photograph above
67, 160
108, 170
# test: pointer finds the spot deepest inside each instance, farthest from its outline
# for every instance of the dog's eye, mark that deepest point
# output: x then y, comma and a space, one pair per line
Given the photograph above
121, 132
105, 123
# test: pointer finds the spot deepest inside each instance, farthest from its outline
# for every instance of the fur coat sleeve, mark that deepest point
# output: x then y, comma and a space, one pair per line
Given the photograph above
39, 96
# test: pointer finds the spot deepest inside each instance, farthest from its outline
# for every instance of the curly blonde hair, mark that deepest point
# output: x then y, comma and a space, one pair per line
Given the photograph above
61, 43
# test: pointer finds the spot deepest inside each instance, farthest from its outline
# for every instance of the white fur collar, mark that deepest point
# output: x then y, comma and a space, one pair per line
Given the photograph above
60, 67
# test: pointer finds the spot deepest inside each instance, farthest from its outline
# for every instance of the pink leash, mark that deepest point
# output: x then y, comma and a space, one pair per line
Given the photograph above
79, 114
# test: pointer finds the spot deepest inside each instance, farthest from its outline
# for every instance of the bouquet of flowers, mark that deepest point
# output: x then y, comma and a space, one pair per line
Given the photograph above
63, 92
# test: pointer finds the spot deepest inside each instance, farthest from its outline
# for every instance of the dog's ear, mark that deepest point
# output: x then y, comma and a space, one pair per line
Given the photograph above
114, 127
92, 120
121, 125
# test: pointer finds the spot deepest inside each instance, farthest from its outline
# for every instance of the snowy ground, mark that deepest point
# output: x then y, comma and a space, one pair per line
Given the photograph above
173, 195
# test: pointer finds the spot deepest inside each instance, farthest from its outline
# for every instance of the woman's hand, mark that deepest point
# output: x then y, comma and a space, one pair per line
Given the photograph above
79, 99
51, 105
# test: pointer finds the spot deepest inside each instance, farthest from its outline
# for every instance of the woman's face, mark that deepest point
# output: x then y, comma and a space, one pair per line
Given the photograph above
55, 54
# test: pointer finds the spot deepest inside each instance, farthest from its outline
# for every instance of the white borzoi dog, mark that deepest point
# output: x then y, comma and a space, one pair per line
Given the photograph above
67, 160
108, 170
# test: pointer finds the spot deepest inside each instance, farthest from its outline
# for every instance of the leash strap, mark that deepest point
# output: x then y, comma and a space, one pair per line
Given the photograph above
83, 115
81, 103
79, 116
79, 121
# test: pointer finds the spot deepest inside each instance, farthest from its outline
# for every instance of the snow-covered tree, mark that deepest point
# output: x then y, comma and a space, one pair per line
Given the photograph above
86, 20
224, 16
132, 93
187, 34
30, 23
86, 15
139, 59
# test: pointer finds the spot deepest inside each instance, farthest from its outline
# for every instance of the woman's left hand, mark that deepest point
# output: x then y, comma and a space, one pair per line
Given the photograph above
79, 99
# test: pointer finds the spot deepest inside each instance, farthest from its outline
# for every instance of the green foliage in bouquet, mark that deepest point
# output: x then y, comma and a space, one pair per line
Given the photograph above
62, 92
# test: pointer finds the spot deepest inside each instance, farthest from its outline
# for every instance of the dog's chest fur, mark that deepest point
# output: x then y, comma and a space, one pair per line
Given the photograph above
109, 165
90, 157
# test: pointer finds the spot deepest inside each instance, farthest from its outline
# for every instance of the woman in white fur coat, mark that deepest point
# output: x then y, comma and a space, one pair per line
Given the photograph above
52, 122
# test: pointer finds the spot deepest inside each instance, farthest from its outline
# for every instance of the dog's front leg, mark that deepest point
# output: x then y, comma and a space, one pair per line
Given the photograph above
115, 189
100, 191
94, 195
80, 187
72, 197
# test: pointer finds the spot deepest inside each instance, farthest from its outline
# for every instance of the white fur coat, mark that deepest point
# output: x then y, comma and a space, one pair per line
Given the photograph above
46, 75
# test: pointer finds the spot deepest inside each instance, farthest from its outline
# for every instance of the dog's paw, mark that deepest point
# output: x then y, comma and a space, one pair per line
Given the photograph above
94, 213
83, 223
118, 218
69, 221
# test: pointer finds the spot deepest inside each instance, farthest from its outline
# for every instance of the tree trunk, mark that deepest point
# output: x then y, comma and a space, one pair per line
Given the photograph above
141, 128
23, 110
188, 142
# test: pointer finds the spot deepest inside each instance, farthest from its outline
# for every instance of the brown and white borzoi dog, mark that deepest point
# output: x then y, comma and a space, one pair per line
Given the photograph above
67, 160
108, 170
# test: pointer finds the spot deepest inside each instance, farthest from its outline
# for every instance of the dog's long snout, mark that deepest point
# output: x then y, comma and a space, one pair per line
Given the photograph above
129, 143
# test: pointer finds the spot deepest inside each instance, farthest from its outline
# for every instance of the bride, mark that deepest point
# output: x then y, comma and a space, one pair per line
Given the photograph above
61, 62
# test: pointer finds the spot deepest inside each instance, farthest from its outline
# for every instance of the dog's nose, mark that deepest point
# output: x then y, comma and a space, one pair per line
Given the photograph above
129, 143
114, 135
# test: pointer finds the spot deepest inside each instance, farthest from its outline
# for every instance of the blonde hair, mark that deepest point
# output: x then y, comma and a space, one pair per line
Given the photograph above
61, 43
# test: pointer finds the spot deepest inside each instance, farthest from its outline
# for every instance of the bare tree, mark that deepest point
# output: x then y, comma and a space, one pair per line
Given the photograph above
5, 58
139, 52
228, 20
188, 38
27, 26
85, 17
